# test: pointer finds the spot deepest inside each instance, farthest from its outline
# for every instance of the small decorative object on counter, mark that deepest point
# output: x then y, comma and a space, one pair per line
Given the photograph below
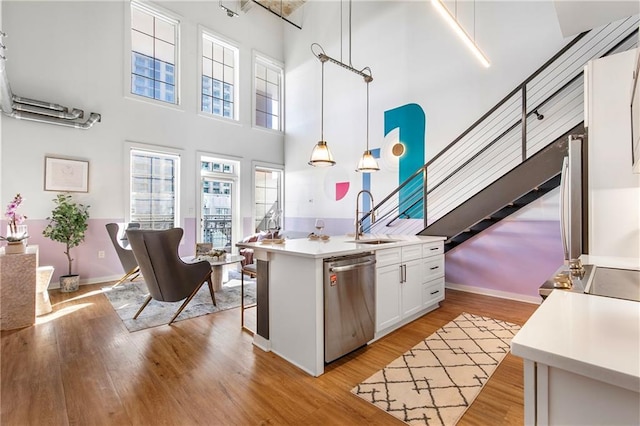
17, 235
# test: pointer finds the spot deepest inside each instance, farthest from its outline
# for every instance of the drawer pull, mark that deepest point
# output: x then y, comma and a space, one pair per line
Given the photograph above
434, 267
435, 292
434, 248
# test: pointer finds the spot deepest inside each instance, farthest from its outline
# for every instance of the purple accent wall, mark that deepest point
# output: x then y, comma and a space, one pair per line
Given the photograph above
511, 256
86, 262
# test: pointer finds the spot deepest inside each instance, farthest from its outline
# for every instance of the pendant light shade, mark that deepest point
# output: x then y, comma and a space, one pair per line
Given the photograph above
321, 156
367, 163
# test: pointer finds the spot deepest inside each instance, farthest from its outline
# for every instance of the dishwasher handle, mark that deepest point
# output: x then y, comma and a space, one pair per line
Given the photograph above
352, 266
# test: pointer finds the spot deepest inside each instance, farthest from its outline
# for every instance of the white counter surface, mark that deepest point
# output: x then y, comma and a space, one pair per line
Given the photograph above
597, 337
337, 245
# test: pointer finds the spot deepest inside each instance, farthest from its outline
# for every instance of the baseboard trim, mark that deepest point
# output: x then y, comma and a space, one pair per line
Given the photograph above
495, 293
56, 284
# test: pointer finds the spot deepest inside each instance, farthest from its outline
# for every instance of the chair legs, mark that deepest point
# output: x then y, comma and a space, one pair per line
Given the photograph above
144, 305
213, 294
244, 307
188, 299
135, 272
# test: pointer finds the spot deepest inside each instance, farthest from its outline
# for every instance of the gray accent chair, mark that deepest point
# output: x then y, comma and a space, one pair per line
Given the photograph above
168, 278
127, 259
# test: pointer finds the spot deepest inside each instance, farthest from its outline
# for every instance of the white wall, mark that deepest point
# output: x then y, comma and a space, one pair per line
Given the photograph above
415, 58
73, 53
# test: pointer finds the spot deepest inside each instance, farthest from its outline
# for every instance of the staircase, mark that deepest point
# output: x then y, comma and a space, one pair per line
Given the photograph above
511, 156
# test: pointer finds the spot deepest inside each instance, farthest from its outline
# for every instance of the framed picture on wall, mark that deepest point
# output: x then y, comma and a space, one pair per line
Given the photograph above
62, 174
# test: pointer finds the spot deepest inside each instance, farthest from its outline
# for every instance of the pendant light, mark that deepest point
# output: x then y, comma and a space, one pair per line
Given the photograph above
367, 163
321, 155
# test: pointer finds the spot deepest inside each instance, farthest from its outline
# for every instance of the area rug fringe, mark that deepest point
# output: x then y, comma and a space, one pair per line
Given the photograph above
437, 380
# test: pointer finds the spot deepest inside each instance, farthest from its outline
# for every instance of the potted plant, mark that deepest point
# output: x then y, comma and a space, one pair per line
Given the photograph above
16, 232
67, 224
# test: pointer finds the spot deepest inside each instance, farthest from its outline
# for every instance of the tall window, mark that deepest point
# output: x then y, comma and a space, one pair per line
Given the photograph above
219, 74
154, 189
268, 198
219, 213
268, 93
153, 54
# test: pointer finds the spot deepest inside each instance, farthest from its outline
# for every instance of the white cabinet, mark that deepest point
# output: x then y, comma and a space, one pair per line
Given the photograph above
408, 280
432, 274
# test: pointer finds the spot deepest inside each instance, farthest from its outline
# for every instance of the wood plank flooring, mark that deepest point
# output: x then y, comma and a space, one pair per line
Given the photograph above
80, 366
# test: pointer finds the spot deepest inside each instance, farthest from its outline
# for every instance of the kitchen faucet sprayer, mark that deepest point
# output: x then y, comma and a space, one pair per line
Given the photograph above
372, 215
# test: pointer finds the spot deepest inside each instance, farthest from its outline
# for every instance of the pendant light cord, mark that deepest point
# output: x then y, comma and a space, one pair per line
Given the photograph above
322, 104
367, 116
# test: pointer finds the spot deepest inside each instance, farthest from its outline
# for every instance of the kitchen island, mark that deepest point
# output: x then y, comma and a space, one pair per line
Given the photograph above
290, 289
582, 358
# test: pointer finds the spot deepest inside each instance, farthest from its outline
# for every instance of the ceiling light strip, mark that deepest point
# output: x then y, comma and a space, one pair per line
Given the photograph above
453, 22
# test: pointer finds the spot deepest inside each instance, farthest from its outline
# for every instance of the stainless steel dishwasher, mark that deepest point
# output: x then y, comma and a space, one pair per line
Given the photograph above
349, 303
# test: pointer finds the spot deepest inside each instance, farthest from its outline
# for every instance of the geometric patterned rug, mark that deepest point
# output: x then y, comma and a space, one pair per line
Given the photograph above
437, 380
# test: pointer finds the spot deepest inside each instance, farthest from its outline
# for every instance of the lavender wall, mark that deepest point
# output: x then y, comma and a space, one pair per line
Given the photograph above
86, 262
513, 257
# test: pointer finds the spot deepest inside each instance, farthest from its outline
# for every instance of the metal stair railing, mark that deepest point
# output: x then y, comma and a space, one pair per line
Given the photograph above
543, 107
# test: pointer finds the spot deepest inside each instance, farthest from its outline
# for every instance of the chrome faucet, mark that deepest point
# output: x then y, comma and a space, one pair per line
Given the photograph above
358, 225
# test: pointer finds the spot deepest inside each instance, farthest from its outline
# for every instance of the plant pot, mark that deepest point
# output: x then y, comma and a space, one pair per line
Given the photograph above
15, 247
69, 283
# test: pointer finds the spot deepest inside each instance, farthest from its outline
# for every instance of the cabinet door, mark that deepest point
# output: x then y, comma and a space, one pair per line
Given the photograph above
387, 296
412, 287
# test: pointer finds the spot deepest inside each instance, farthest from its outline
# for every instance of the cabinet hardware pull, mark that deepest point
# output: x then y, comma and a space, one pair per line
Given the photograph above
434, 267
435, 292
434, 248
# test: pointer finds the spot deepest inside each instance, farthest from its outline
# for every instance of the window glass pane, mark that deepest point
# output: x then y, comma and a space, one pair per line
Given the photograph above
153, 38
261, 103
165, 51
207, 48
141, 43
207, 67
273, 91
218, 53
141, 21
273, 76
218, 71
153, 195
206, 103
261, 86
206, 86
261, 71
261, 119
165, 31
228, 75
273, 107
228, 57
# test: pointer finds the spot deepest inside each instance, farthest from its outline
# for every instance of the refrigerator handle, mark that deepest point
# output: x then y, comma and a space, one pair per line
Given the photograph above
564, 182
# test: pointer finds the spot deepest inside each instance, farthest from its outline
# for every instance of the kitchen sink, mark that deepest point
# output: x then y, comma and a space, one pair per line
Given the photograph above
373, 242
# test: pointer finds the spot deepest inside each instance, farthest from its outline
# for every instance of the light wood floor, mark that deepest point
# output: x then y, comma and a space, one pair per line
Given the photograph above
82, 367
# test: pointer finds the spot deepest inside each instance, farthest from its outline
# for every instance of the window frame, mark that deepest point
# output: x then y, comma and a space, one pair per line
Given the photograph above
260, 165
268, 62
167, 16
234, 178
130, 148
225, 42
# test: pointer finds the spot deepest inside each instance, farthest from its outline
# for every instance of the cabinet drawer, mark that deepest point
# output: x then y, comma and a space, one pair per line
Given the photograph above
432, 267
388, 257
432, 249
412, 252
432, 292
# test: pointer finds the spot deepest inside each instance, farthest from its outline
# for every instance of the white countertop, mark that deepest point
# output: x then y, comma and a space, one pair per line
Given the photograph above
594, 336
612, 261
337, 245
